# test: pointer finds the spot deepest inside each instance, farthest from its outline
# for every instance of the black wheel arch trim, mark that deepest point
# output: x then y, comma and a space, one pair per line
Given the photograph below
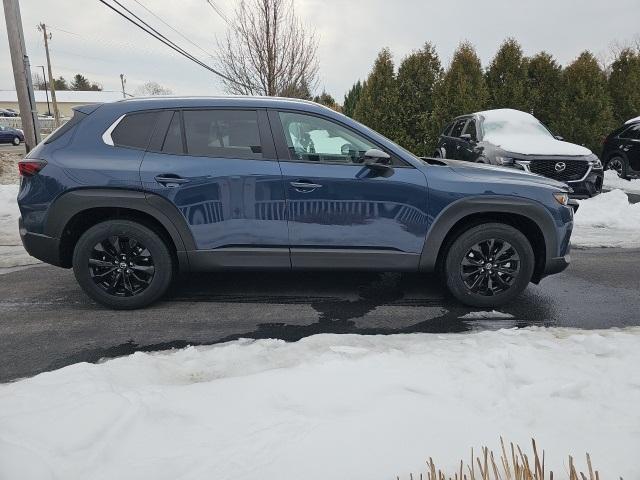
485, 204
74, 202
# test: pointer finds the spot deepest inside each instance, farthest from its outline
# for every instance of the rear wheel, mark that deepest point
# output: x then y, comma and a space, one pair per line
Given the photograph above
489, 265
122, 264
619, 165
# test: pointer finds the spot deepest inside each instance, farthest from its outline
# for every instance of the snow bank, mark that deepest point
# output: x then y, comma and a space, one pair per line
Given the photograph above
613, 181
12, 253
607, 220
328, 407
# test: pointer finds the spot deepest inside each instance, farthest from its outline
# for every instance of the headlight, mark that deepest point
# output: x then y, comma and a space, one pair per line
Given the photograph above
561, 197
504, 160
595, 162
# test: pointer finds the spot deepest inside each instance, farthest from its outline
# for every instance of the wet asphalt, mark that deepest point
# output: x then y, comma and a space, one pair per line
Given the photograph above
46, 322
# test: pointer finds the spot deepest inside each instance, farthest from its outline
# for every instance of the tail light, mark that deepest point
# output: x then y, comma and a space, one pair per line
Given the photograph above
29, 168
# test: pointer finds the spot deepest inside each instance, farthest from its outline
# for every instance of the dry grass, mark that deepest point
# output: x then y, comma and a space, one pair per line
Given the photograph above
513, 464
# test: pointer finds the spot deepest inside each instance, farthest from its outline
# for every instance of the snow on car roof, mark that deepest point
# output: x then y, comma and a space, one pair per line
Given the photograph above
508, 115
631, 120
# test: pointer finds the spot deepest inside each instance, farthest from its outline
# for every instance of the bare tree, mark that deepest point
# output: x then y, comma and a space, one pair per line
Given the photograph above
268, 51
150, 89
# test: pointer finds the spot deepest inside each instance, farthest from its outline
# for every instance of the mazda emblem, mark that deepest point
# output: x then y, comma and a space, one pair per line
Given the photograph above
560, 167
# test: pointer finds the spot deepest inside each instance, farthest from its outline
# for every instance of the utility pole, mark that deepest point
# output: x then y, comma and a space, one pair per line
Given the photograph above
22, 74
56, 114
46, 90
122, 82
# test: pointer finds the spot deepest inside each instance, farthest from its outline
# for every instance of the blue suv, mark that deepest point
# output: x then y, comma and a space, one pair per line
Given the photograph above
131, 193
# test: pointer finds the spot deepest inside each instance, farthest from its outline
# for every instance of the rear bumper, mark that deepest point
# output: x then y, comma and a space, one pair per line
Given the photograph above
41, 246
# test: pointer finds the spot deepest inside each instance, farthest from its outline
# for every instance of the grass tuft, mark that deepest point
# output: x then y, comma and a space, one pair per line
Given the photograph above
514, 464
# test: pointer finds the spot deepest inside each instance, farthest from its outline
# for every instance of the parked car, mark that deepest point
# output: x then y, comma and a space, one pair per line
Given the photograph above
517, 139
11, 135
129, 193
7, 113
621, 149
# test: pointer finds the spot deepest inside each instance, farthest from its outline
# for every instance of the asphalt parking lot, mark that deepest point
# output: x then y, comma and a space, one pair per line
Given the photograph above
46, 322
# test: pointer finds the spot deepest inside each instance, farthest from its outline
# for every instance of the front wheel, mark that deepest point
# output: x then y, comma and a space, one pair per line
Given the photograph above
122, 264
489, 265
16, 141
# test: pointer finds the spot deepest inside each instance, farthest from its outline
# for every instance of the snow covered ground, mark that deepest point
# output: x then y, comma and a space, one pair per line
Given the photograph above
613, 181
11, 252
608, 220
329, 407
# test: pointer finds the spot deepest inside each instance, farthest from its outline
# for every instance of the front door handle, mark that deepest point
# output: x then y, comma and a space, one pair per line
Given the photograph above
170, 180
302, 186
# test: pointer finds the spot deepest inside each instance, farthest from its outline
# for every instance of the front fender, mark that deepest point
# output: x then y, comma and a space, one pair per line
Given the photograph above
486, 204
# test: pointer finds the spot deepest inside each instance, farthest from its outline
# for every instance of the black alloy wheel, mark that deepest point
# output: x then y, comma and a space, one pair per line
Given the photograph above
121, 265
490, 267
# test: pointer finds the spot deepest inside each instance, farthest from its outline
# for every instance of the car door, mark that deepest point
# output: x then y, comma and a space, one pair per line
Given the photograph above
454, 139
218, 167
342, 214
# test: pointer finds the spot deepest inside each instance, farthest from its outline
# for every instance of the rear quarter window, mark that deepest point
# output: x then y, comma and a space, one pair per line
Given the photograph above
134, 130
66, 127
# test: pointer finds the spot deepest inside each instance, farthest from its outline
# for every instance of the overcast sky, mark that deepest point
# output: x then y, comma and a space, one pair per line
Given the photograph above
91, 39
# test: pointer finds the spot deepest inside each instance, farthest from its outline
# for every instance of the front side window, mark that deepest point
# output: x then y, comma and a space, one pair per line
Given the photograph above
315, 139
471, 129
457, 128
134, 130
223, 133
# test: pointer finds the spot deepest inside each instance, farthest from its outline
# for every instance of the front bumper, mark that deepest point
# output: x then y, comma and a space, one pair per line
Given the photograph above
588, 187
42, 247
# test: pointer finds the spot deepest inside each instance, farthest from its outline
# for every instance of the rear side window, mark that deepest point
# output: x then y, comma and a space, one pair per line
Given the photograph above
447, 129
457, 128
223, 133
134, 130
60, 131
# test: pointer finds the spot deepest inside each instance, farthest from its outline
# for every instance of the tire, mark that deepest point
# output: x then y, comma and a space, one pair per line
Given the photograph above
469, 250
16, 141
139, 263
436, 154
619, 165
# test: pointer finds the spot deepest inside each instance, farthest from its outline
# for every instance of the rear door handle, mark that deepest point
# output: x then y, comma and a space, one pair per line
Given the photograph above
303, 186
170, 180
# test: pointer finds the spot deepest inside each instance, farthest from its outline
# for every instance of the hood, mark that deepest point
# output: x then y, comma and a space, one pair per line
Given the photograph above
492, 173
525, 144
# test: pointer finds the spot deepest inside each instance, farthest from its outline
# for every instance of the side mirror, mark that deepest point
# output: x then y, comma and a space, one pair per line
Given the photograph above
467, 137
377, 160
559, 137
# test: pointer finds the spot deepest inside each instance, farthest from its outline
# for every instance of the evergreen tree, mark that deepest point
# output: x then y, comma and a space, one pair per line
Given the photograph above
624, 85
462, 90
507, 77
545, 97
351, 99
588, 115
60, 83
376, 106
417, 78
80, 82
327, 100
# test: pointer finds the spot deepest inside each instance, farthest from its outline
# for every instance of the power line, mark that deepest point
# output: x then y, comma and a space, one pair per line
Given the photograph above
217, 9
160, 37
174, 29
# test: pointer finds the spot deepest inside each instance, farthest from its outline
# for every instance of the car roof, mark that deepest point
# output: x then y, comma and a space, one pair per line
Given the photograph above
220, 101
